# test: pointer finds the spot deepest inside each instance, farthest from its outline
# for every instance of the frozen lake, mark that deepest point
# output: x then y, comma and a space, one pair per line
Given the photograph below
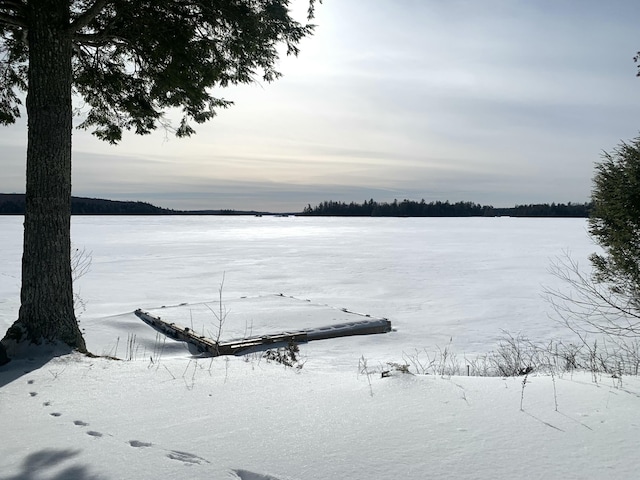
436, 279
245, 418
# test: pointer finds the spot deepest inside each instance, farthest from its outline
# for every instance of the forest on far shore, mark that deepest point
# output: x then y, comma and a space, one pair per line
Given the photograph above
13, 204
410, 208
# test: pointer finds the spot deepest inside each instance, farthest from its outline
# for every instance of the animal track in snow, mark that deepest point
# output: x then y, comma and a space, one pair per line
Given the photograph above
185, 457
139, 444
247, 475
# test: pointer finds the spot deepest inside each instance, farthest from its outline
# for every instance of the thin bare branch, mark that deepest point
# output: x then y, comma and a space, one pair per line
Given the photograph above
590, 307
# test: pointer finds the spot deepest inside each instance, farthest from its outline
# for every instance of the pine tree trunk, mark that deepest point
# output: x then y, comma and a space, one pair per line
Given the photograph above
46, 311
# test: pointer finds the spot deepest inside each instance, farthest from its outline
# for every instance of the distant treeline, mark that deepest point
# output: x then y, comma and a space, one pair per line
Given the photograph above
13, 204
410, 208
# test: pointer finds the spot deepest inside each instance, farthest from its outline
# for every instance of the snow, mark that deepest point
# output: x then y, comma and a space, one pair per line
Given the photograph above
161, 413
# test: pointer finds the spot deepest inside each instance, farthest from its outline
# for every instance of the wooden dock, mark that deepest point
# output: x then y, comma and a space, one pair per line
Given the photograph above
202, 345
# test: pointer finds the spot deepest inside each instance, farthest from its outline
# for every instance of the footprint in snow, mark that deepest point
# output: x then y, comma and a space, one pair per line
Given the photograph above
247, 475
139, 444
30, 382
33, 394
186, 458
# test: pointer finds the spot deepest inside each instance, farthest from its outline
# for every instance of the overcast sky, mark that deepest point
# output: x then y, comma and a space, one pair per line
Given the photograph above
499, 102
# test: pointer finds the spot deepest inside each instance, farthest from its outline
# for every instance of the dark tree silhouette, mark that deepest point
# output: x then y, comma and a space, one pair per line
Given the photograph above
410, 208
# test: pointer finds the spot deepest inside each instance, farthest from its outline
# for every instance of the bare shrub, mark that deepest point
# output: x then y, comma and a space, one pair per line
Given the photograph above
80, 265
220, 314
363, 369
604, 320
591, 307
443, 361
516, 355
288, 356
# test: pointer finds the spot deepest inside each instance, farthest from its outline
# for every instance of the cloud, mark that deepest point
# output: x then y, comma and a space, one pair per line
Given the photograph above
499, 102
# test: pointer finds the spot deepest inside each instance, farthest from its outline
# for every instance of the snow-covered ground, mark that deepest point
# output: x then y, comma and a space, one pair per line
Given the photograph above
160, 413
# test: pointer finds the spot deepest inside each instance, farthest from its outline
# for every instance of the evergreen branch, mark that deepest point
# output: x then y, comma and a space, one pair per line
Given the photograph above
98, 39
16, 5
85, 18
12, 20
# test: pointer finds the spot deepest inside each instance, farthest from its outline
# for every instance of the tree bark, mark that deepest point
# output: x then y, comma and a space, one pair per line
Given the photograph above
46, 311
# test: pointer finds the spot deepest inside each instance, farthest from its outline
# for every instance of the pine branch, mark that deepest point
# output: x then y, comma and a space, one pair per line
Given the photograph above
17, 5
12, 20
92, 12
97, 39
